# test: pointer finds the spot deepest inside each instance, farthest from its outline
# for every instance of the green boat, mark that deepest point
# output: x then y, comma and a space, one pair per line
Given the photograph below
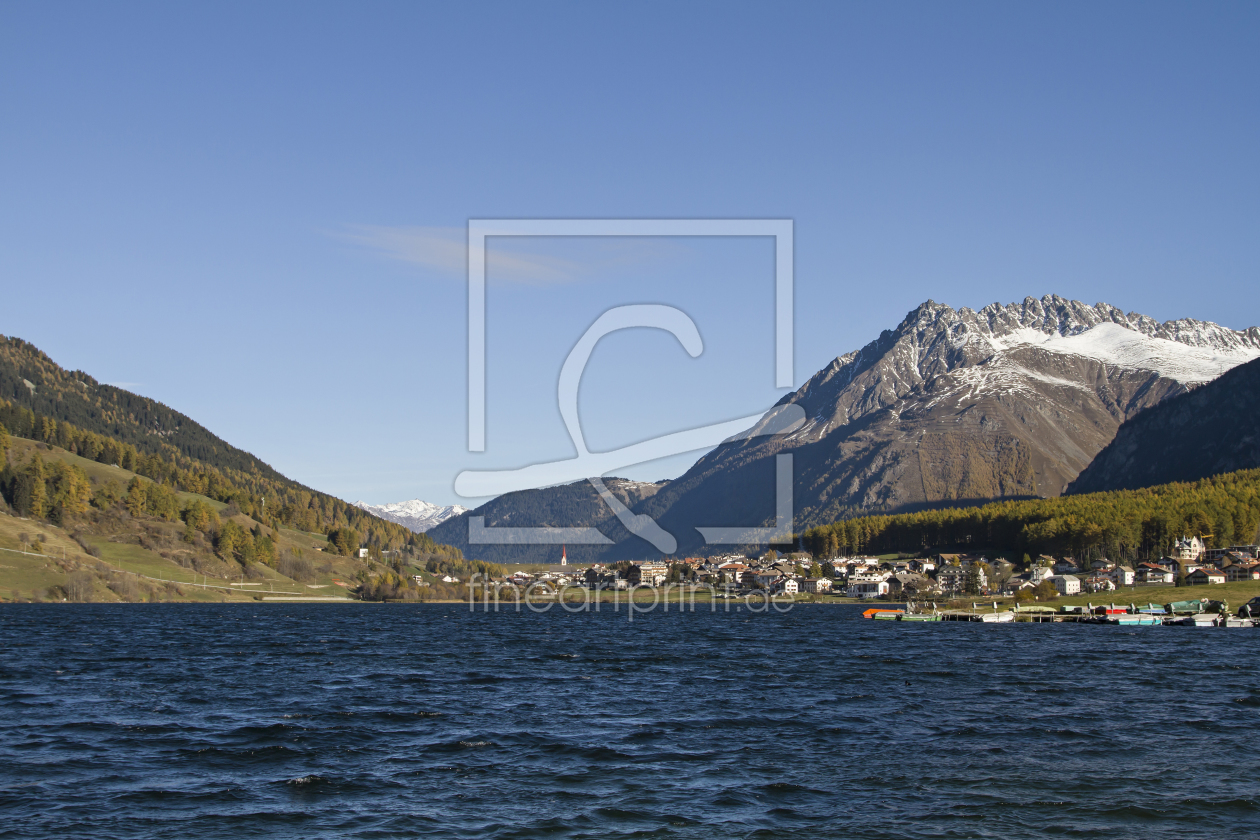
886, 616
921, 617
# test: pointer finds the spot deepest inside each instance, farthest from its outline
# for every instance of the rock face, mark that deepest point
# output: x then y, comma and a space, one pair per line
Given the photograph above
1211, 430
418, 515
952, 406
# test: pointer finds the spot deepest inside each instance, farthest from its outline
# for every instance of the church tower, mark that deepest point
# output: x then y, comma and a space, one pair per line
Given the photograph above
564, 555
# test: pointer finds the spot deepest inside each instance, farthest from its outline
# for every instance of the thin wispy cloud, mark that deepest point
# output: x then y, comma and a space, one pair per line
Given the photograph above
445, 250
508, 258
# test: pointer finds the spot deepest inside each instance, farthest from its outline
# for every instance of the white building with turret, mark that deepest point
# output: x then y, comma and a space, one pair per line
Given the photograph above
1188, 549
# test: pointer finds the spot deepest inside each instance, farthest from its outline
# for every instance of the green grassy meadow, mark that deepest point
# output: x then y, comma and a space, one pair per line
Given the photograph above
29, 574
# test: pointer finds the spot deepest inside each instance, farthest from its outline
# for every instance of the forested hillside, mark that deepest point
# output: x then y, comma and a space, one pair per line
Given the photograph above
274, 501
84, 530
44, 402
1123, 525
1210, 430
31, 380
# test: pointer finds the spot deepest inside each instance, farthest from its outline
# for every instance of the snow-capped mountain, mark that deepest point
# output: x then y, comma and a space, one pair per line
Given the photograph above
1009, 347
960, 405
952, 406
415, 514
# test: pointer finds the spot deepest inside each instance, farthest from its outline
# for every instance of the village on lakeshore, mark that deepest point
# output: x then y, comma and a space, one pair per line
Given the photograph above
942, 578
944, 575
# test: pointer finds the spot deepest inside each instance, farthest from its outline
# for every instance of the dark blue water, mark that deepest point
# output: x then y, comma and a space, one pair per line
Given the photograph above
425, 721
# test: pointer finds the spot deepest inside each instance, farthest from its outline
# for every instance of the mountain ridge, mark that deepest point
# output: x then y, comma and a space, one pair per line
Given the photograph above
415, 514
952, 405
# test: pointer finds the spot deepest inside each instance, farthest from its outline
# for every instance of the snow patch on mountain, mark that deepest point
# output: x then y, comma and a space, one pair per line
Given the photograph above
1003, 375
1113, 344
416, 514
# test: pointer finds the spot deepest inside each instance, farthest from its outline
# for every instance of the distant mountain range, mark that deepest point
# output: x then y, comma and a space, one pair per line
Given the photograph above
1213, 429
952, 406
415, 514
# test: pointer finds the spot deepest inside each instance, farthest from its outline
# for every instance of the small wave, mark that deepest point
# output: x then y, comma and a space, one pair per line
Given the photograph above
308, 780
473, 744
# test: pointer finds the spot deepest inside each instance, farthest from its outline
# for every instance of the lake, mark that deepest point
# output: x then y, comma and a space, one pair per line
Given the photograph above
311, 720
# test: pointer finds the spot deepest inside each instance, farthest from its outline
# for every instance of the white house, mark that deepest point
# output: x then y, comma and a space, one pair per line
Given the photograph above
648, 572
868, 589
1020, 582
1099, 583
951, 578
363, 552
1205, 575
789, 586
1154, 573
818, 586
1183, 566
1066, 584
1188, 549
954, 578
1123, 576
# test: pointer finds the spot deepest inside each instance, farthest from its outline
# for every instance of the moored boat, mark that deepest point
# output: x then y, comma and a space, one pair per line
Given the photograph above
884, 614
1211, 620
1184, 607
1135, 619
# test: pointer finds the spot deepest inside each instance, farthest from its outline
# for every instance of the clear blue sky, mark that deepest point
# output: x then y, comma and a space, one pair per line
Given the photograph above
247, 210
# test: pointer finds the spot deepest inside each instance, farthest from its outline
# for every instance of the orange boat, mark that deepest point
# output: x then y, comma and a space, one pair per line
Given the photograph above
887, 615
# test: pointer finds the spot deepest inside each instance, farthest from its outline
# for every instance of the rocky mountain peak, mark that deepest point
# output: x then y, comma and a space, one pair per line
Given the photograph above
935, 340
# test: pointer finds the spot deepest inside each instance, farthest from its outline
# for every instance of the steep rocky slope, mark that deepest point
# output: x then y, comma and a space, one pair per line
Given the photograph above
1211, 430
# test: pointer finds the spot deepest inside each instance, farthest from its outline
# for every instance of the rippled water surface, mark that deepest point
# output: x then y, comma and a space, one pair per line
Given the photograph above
415, 721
